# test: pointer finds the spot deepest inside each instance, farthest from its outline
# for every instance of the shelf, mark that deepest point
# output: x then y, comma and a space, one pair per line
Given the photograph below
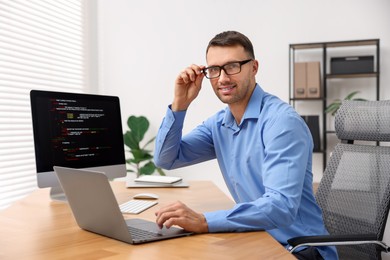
319, 51
352, 43
316, 45
357, 75
307, 99
307, 46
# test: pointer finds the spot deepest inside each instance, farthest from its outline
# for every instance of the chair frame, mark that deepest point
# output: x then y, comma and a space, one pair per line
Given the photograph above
350, 239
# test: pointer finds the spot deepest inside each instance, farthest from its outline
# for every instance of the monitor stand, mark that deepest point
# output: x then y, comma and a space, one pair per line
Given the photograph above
57, 194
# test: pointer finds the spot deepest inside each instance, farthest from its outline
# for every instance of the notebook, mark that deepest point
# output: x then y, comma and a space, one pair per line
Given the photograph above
158, 179
151, 181
95, 209
134, 184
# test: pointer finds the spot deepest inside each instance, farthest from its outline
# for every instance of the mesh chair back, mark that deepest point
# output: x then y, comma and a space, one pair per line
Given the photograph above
355, 188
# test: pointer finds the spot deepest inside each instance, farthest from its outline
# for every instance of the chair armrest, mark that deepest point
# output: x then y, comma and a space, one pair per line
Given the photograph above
330, 238
333, 240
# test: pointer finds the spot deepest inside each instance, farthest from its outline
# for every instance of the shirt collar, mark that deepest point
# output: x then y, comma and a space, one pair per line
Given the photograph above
252, 110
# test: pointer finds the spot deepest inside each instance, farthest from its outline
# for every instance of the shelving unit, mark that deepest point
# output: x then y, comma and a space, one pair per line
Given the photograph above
322, 53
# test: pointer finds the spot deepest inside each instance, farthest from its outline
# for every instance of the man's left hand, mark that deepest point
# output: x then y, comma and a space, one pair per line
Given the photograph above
181, 215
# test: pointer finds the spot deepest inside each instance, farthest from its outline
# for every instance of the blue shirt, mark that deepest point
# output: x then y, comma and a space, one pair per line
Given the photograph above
266, 162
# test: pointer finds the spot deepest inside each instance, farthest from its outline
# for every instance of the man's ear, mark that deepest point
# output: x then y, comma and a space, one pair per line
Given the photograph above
255, 66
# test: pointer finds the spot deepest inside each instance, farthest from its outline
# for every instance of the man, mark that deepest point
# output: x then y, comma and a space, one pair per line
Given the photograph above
263, 147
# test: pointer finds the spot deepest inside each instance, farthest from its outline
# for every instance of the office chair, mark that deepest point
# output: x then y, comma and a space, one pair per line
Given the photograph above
354, 191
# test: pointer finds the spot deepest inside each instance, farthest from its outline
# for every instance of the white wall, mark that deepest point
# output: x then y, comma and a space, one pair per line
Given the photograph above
143, 45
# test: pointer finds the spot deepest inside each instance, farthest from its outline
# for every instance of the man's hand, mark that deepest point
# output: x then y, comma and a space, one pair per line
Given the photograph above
180, 215
187, 86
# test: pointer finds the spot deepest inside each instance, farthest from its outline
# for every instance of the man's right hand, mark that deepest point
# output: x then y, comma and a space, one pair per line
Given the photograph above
187, 86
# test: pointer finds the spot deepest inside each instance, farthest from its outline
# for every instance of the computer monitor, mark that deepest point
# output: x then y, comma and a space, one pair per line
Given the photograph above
82, 131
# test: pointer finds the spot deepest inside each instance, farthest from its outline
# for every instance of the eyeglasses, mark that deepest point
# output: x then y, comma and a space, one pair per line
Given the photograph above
232, 68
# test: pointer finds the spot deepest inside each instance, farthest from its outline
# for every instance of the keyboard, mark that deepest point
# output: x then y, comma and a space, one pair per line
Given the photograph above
136, 206
142, 235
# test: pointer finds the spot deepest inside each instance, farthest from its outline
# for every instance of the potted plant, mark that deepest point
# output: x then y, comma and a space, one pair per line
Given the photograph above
335, 105
142, 159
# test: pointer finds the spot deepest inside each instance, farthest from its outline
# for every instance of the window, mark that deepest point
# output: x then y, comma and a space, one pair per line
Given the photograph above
42, 46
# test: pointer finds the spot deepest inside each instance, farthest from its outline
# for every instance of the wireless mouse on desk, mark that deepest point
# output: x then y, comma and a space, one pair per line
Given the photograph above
151, 196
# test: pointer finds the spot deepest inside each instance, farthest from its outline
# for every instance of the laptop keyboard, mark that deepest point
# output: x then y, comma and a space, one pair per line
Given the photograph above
136, 206
142, 235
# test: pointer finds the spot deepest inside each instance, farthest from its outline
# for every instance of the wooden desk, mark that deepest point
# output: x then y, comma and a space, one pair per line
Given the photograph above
38, 228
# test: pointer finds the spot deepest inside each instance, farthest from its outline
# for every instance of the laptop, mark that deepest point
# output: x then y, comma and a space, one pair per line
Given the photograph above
96, 209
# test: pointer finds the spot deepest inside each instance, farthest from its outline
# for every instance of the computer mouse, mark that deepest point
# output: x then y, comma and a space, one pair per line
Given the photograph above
150, 196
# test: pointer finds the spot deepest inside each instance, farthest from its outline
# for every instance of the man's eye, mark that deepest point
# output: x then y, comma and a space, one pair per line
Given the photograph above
213, 69
232, 66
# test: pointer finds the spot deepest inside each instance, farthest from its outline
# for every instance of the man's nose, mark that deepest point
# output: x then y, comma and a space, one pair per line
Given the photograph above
223, 76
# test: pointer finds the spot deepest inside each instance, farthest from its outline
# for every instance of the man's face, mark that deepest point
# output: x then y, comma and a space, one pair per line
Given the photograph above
232, 89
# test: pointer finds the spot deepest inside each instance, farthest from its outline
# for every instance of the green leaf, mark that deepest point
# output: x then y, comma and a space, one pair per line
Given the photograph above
138, 127
129, 161
140, 156
148, 168
332, 108
335, 105
130, 140
160, 171
350, 95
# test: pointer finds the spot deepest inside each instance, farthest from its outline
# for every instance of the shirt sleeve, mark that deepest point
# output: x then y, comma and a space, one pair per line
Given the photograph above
172, 150
287, 147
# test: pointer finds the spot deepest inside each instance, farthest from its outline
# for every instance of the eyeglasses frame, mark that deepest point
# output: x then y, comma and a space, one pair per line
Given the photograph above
222, 68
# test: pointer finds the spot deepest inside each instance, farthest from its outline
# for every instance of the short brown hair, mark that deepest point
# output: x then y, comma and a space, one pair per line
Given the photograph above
232, 38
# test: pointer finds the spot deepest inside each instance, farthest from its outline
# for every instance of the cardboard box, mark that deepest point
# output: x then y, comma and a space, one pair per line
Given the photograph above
300, 80
313, 79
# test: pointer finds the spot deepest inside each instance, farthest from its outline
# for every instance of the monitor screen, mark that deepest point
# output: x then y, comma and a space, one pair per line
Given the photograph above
76, 131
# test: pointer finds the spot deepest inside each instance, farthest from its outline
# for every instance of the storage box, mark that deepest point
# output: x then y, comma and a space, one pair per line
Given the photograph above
307, 80
300, 80
352, 65
313, 80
